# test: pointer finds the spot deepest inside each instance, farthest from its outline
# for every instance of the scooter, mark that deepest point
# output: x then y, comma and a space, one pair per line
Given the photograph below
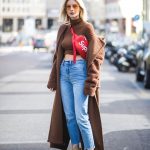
128, 60
120, 53
109, 46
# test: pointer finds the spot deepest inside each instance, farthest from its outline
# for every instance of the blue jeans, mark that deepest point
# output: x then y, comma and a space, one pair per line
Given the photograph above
75, 103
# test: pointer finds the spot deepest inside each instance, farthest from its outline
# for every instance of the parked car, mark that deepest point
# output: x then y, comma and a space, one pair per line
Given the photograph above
39, 43
143, 66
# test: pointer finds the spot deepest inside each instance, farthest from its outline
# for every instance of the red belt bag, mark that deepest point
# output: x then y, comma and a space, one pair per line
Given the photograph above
80, 45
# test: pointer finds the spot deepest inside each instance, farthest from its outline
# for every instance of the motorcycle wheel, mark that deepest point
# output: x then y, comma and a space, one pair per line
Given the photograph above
111, 59
147, 79
139, 77
122, 68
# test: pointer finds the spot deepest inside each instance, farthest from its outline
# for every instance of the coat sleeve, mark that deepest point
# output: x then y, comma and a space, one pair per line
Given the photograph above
93, 71
52, 81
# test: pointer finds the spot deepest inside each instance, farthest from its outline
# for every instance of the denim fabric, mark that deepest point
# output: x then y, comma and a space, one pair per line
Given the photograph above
75, 103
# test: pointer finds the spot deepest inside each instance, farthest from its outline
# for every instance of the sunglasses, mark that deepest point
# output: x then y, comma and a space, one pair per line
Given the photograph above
74, 6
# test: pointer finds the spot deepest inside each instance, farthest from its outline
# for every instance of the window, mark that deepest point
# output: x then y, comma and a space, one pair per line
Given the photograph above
20, 24
50, 23
7, 25
38, 23
3, 9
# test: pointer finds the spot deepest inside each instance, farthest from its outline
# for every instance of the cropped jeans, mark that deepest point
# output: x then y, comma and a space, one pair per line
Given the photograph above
75, 103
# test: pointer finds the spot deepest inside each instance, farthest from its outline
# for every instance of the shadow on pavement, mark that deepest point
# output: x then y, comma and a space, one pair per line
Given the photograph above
117, 140
131, 107
127, 140
25, 146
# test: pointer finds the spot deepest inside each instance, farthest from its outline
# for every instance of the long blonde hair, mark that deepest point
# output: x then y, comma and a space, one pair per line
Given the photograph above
63, 14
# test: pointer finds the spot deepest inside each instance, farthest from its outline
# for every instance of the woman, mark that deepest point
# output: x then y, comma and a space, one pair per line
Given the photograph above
75, 114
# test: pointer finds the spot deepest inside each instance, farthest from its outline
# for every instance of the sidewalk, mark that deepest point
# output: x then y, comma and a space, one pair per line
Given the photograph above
8, 49
25, 110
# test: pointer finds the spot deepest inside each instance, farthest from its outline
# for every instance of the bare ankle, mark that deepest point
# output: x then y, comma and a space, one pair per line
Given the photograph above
75, 147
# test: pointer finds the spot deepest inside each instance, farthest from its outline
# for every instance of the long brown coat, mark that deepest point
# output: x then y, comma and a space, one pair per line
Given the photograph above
58, 133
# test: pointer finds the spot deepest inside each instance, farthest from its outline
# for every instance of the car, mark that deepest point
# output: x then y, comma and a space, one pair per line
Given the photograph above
143, 65
39, 43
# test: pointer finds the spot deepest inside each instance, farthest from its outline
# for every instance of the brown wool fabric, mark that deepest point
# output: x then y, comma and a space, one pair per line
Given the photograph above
58, 133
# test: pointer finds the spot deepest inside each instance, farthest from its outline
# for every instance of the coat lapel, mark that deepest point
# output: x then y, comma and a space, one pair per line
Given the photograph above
61, 32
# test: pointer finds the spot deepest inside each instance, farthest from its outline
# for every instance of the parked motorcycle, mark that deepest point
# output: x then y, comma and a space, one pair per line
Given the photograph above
113, 53
108, 47
120, 53
128, 60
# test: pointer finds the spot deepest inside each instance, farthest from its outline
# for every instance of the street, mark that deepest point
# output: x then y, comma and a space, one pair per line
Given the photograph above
26, 105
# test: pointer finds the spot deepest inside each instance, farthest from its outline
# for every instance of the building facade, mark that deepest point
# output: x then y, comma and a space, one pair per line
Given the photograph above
124, 16
45, 13
96, 12
14, 13
146, 15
